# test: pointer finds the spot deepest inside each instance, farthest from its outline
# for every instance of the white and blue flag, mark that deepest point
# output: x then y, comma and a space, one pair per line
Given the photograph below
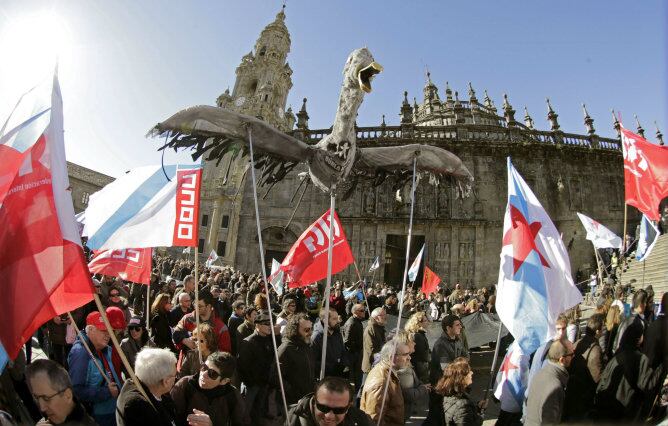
144, 208
512, 379
535, 282
374, 265
415, 267
649, 234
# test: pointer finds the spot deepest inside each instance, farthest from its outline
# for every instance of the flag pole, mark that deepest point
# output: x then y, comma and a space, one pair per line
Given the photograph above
148, 306
359, 277
403, 284
624, 248
328, 286
199, 352
492, 376
264, 270
598, 265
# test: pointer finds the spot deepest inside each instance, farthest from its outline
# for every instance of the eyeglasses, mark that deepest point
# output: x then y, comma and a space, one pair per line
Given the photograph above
213, 374
47, 398
326, 408
135, 328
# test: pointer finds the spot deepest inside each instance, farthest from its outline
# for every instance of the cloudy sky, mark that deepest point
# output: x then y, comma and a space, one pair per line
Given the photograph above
127, 64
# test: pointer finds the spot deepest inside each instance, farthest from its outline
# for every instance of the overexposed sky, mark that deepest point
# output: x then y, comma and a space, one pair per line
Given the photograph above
124, 65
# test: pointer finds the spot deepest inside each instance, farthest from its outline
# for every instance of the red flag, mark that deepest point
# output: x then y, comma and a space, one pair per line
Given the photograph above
306, 262
429, 281
645, 173
42, 266
129, 264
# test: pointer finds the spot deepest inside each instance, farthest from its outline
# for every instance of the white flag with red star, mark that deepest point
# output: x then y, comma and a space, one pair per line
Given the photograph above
599, 235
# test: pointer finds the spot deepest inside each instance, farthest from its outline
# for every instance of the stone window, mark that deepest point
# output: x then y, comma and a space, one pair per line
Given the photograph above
84, 198
226, 221
205, 220
200, 245
222, 245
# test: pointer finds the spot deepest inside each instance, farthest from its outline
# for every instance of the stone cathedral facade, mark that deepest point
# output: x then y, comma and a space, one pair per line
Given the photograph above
568, 172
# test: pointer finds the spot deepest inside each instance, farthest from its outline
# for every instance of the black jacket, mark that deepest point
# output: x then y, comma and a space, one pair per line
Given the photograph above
133, 409
336, 358
301, 414
78, 417
461, 411
256, 356
161, 333
353, 335
297, 368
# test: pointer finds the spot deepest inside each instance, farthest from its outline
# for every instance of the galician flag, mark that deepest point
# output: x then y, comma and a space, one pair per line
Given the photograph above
42, 266
144, 209
599, 235
535, 282
512, 379
374, 265
415, 267
649, 234
213, 256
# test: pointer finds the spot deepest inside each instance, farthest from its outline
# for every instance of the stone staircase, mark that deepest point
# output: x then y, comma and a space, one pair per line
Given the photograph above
654, 271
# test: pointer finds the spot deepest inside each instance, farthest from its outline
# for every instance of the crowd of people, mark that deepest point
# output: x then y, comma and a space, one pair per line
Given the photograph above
217, 364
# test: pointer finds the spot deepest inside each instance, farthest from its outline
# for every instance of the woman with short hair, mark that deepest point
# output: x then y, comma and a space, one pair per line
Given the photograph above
458, 408
206, 341
211, 392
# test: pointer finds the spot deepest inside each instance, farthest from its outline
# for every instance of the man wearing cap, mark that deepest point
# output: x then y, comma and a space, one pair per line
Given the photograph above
256, 356
89, 386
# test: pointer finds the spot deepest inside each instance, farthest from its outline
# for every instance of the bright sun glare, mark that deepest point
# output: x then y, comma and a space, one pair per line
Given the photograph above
30, 45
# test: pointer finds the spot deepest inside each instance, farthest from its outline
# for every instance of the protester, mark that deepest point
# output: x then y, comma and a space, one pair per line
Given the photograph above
612, 321
415, 393
161, 333
547, 388
393, 356
206, 342
248, 326
188, 288
51, 389
211, 392
374, 338
137, 339
183, 307
61, 337
296, 358
458, 408
336, 358
353, 338
236, 319
655, 347
330, 404
207, 315
421, 356
116, 300
637, 316
289, 308
448, 347
584, 372
90, 386
627, 380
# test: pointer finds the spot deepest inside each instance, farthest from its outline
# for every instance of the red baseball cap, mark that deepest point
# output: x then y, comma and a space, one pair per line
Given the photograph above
95, 319
116, 318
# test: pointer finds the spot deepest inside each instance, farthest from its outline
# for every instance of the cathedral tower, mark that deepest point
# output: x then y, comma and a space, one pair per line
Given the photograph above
264, 78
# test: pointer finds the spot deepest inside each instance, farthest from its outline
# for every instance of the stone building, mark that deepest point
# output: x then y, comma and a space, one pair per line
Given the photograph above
568, 172
83, 183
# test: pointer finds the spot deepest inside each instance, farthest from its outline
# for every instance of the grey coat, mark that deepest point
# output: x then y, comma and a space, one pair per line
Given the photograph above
547, 391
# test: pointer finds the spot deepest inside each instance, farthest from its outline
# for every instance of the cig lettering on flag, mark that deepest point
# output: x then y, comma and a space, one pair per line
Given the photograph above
143, 209
42, 262
129, 264
415, 267
598, 234
306, 262
645, 173
535, 283
512, 379
649, 235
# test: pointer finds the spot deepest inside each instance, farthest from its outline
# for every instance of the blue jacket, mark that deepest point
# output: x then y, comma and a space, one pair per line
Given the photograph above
88, 384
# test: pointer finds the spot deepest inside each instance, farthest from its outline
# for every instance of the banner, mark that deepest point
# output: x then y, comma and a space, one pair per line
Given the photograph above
512, 379
374, 265
130, 264
429, 281
649, 235
415, 267
276, 278
535, 283
213, 256
598, 234
143, 209
645, 173
306, 262
42, 262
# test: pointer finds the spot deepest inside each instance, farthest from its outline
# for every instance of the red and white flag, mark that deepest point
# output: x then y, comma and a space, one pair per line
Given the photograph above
598, 234
129, 264
645, 173
306, 262
42, 266
429, 281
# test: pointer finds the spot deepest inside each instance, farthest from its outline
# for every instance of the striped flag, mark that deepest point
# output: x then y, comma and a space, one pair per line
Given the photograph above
143, 209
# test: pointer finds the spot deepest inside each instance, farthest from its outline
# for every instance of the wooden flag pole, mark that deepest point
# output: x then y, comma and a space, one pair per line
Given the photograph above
598, 265
199, 352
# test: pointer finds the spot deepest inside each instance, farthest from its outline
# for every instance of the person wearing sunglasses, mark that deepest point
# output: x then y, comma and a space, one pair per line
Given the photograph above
136, 340
206, 341
331, 404
211, 392
51, 389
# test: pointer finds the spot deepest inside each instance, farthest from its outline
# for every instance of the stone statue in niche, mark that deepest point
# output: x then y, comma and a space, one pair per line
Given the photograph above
446, 250
442, 201
470, 251
369, 201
